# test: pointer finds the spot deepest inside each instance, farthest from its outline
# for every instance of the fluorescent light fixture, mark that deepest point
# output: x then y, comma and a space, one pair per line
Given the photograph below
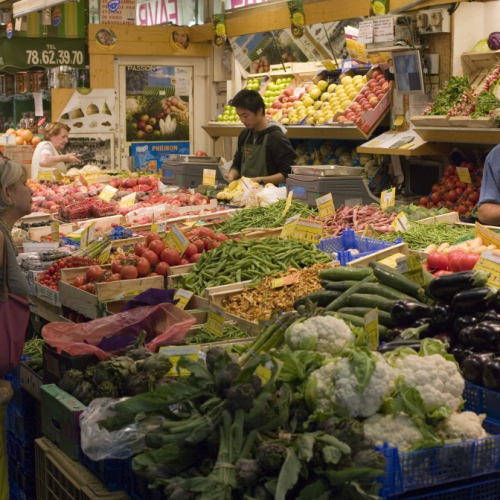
24, 7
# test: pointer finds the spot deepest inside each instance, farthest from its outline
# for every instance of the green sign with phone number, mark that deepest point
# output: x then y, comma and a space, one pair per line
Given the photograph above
23, 53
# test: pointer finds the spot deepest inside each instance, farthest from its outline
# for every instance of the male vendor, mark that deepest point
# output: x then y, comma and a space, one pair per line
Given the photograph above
264, 153
489, 200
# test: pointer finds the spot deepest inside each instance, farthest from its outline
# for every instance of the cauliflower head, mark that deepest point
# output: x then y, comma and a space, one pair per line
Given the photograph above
325, 334
398, 431
319, 389
438, 380
466, 426
368, 401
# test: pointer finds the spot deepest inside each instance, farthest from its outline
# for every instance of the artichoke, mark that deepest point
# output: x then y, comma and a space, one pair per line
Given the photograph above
156, 364
114, 370
139, 353
225, 378
70, 380
89, 372
213, 358
348, 430
176, 492
271, 457
241, 397
84, 392
369, 458
158, 471
140, 383
106, 389
248, 472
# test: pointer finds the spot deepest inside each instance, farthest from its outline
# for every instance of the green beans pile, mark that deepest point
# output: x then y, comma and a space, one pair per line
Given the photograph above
229, 332
236, 261
420, 236
264, 217
34, 348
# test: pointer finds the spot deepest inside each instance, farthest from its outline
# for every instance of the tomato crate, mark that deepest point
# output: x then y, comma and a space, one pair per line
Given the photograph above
441, 465
481, 400
87, 303
111, 472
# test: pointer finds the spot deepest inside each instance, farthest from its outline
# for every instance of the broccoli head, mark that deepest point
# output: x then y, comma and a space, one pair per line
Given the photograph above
271, 457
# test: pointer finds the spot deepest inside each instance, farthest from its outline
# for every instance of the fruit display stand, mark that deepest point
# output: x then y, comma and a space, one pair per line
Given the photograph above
39, 233
88, 304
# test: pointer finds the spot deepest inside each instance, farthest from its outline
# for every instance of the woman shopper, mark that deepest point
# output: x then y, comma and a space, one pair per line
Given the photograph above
47, 154
15, 202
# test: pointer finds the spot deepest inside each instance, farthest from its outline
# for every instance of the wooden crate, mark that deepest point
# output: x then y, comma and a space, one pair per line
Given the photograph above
469, 122
48, 295
258, 234
37, 233
89, 304
450, 218
176, 273
202, 316
381, 254
218, 293
104, 222
49, 312
430, 121
128, 241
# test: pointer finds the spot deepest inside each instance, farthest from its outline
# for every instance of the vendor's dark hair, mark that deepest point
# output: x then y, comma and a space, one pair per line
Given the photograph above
248, 99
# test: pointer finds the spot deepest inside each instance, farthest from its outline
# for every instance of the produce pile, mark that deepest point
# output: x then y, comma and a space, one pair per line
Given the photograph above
448, 98
203, 335
91, 208
417, 212
50, 278
236, 261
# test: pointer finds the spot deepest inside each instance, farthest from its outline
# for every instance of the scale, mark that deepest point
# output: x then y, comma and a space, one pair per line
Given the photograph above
187, 170
348, 190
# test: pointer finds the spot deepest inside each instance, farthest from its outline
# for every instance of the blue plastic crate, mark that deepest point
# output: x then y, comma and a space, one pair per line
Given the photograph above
21, 455
137, 488
21, 425
21, 485
111, 472
340, 245
426, 468
482, 490
481, 400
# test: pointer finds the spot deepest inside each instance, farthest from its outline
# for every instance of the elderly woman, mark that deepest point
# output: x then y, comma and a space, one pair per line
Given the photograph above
47, 153
15, 202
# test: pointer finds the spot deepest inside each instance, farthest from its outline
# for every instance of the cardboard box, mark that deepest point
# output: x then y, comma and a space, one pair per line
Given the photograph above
31, 381
61, 419
19, 154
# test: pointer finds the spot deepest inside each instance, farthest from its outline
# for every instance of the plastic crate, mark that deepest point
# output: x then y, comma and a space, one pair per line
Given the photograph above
20, 454
137, 487
111, 472
441, 465
341, 245
22, 425
481, 400
22, 484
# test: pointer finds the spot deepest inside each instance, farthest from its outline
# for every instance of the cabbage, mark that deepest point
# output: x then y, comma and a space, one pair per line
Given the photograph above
494, 40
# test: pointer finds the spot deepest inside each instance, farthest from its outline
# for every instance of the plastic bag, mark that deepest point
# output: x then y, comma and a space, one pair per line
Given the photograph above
164, 324
100, 444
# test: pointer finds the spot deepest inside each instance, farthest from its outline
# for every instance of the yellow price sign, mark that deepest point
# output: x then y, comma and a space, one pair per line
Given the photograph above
215, 319
175, 239
175, 353
391, 260
45, 174
325, 205
401, 223
17, 232
287, 280
88, 235
127, 201
490, 263
464, 175
307, 230
107, 193
183, 296
209, 177
411, 267
289, 226
288, 203
54, 229
264, 372
388, 198
158, 227
488, 236
371, 329
329, 65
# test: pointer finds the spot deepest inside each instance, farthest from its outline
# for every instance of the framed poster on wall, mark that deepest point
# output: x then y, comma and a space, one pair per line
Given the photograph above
97, 149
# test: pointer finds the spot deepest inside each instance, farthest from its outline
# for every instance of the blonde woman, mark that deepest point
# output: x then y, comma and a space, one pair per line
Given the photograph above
48, 152
15, 202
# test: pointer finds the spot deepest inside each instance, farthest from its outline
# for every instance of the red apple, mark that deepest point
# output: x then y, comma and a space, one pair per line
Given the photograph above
288, 92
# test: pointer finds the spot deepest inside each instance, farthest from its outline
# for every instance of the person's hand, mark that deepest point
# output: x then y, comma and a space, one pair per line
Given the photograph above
72, 158
256, 179
229, 177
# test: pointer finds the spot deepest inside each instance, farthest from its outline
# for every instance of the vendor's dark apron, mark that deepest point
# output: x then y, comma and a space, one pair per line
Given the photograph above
254, 159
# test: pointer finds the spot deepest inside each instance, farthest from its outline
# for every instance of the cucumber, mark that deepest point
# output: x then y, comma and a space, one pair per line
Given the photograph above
371, 301
341, 301
322, 298
384, 318
384, 291
340, 286
383, 331
390, 277
345, 273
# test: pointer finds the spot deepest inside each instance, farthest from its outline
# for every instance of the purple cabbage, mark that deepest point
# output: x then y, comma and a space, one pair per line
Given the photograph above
494, 40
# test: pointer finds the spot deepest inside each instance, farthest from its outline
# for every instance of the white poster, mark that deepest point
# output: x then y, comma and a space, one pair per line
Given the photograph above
96, 149
118, 11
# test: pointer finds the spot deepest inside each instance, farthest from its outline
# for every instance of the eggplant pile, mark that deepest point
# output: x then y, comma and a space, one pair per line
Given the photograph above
466, 316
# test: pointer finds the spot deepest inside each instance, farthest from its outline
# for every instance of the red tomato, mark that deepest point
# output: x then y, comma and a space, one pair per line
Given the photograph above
223, 237
143, 267
94, 273
162, 269
195, 257
116, 266
129, 273
151, 275
437, 261
474, 196
114, 277
171, 256
455, 253
468, 261
441, 273
200, 245
90, 288
83, 287
216, 244
151, 237
157, 246
455, 263
190, 250
140, 248
206, 231
151, 256
80, 281
183, 262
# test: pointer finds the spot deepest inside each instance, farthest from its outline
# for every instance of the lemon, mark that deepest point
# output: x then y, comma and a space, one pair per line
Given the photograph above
325, 96
345, 105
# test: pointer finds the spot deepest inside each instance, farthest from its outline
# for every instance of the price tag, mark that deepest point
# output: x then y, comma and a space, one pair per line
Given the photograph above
246, 183
288, 203
287, 280
88, 235
388, 198
45, 174
329, 65
83, 180
490, 262
289, 226
325, 205
183, 296
307, 230
400, 223
215, 319
175, 353
54, 229
488, 236
391, 260
411, 267
16, 232
464, 175
158, 227
265, 372
127, 201
371, 329
105, 255
107, 193
176, 239
58, 174
208, 177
